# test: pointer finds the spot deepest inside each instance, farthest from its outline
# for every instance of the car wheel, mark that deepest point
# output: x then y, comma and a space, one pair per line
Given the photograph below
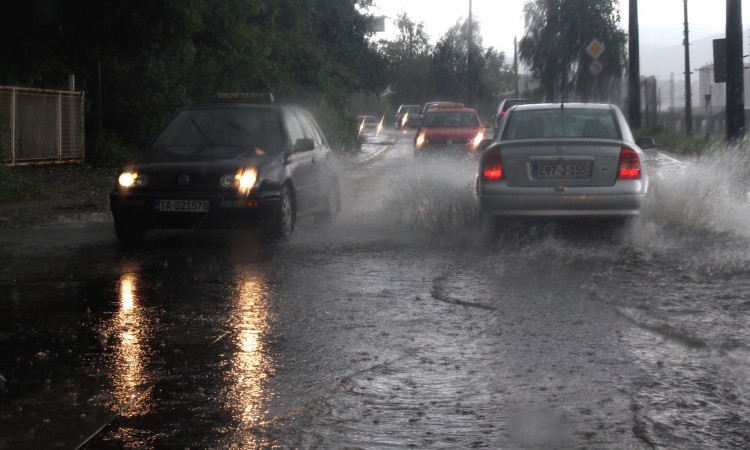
333, 206
283, 223
129, 233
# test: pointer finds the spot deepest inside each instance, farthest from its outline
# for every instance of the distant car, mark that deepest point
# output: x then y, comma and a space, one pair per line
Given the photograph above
232, 164
430, 105
563, 160
449, 129
368, 123
505, 105
408, 116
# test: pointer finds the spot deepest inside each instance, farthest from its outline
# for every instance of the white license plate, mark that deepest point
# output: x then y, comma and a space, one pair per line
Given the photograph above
561, 170
198, 206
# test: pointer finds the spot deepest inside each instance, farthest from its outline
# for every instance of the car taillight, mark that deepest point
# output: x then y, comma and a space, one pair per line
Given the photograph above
630, 165
492, 165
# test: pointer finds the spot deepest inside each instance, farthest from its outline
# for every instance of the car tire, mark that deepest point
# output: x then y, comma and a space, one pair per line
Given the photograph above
283, 224
129, 233
332, 207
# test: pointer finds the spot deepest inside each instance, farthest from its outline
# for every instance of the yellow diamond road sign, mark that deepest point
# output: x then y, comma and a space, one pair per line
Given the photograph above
595, 48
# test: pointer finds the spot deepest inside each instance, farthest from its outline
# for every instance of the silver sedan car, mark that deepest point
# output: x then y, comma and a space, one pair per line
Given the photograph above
563, 160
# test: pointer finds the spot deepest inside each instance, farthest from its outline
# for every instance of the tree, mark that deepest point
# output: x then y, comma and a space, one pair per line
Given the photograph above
462, 69
408, 60
155, 56
557, 34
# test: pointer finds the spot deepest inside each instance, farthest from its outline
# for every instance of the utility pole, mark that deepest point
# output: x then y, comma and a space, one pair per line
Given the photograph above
515, 63
735, 72
469, 50
688, 94
634, 70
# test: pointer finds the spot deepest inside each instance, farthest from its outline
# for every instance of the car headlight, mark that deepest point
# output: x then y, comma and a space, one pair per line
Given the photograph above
477, 139
244, 180
420, 139
131, 178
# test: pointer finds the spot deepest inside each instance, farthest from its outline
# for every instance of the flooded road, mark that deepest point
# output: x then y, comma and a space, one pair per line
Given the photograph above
405, 324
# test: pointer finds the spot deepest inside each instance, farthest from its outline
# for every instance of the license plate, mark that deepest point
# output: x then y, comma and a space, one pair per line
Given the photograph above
561, 170
198, 206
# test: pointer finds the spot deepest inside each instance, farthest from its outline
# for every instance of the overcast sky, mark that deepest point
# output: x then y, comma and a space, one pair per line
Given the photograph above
661, 21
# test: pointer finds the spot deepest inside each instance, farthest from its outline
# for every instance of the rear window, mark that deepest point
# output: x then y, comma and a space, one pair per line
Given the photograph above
451, 119
561, 123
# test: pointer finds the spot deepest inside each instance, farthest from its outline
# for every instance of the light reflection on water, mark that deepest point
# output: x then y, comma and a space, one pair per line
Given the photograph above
251, 365
127, 333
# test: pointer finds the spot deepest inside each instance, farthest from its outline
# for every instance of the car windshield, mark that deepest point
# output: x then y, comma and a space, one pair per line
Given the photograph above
451, 119
221, 131
561, 123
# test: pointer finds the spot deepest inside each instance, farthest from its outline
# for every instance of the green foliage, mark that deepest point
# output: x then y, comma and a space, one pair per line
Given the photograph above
15, 186
680, 143
149, 58
557, 34
113, 152
457, 68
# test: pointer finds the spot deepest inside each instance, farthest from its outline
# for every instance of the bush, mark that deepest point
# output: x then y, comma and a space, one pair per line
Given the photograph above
16, 186
113, 152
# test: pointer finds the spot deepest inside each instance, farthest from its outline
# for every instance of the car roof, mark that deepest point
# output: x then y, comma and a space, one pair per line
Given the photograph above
237, 105
538, 106
450, 109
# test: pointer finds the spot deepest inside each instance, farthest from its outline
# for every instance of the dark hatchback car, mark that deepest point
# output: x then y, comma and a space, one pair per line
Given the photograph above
228, 165
505, 105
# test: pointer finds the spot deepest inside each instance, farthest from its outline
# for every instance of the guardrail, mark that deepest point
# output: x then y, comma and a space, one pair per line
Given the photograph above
40, 125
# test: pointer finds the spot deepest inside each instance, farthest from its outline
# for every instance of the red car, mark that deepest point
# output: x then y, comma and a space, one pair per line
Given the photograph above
449, 129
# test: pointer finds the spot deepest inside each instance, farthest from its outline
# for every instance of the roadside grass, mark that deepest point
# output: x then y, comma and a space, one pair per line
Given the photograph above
682, 144
20, 184
17, 186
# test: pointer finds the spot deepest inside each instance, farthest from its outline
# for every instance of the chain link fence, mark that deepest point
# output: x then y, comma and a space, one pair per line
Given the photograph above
39, 125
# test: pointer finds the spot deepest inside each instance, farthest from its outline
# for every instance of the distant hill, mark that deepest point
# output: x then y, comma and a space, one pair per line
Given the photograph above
661, 61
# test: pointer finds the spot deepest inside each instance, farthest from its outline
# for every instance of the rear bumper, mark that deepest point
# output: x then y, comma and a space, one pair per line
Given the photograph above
570, 202
572, 206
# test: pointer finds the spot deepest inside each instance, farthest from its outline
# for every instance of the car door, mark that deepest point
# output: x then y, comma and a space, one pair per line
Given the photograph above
321, 170
300, 163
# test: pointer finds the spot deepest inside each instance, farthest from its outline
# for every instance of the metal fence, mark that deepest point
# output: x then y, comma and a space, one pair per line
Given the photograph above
39, 125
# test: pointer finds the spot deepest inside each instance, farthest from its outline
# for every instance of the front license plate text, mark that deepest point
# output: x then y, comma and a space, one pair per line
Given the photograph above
198, 206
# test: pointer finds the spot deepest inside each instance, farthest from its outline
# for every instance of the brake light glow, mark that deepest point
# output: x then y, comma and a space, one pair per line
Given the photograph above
492, 166
630, 165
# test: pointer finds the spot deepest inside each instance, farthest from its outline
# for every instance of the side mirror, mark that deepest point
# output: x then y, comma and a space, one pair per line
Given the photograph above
645, 143
304, 145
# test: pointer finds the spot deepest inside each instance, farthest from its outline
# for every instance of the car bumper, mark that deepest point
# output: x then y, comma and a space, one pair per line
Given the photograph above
223, 213
446, 150
570, 202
